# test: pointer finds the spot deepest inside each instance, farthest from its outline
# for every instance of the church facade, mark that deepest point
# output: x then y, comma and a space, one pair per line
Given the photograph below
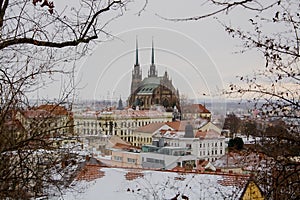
153, 89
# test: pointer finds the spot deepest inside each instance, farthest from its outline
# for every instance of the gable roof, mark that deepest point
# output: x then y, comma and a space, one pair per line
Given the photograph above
53, 109
114, 139
150, 128
207, 134
194, 108
178, 125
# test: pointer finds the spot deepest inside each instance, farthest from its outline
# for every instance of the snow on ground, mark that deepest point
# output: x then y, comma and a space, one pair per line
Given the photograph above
150, 185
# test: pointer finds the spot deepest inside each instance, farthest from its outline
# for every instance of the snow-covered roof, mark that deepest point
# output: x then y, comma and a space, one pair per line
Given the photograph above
116, 184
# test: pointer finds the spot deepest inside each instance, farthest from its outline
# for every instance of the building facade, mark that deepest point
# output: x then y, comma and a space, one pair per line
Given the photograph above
206, 145
117, 122
48, 121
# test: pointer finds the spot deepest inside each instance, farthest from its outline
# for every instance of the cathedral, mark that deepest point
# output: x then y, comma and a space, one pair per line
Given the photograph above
153, 89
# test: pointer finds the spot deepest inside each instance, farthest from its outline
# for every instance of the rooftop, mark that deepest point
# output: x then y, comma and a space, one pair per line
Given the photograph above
113, 183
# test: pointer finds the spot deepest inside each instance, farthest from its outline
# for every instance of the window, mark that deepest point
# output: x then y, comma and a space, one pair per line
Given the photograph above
200, 145
216, 144
118, 158
216, 152
131, 160
221, 143
221, 151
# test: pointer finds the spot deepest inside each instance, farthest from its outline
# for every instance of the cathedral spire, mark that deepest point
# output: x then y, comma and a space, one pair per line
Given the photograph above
136, 52
136, 72
152, 56
152, 72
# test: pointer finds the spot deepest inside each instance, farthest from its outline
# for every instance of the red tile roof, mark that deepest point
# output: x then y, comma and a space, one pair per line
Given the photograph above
150, 128
178, 125
125, 146
44, 111
207, 134
90, 172
36, 114
194, 108
53, 109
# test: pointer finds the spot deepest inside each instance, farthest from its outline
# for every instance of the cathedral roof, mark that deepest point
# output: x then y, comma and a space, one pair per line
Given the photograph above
147, 89
151, 80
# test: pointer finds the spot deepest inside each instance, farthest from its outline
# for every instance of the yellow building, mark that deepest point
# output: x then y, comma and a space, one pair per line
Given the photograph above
252, 192
143, 135
120, 158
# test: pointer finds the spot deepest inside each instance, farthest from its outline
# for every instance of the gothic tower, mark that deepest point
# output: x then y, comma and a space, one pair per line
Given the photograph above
152, 72
136, 72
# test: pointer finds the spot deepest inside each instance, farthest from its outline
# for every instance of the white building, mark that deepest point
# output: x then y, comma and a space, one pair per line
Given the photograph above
206, 145
117, 122
210, 146
168, 158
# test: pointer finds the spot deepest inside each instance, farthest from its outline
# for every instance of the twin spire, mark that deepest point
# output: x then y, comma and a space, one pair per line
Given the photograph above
136, 52
152, 72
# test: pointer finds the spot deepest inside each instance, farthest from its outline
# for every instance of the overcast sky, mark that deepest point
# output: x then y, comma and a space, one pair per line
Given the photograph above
199, 56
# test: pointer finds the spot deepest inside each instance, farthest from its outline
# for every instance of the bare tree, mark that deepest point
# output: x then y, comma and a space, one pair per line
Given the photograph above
37, 42
233, 123
275, 88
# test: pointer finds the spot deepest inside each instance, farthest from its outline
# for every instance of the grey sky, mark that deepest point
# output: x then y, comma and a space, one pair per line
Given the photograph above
199, 55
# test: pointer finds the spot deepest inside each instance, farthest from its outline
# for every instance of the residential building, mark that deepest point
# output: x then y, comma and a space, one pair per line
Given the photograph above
195, 111
206, 145
126, 159
210, 145
48, 121
143, 135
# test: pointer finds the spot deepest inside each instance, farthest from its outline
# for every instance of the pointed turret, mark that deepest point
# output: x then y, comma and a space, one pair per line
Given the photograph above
136, 52
136, 72
120, 104
152, 72
152, 54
